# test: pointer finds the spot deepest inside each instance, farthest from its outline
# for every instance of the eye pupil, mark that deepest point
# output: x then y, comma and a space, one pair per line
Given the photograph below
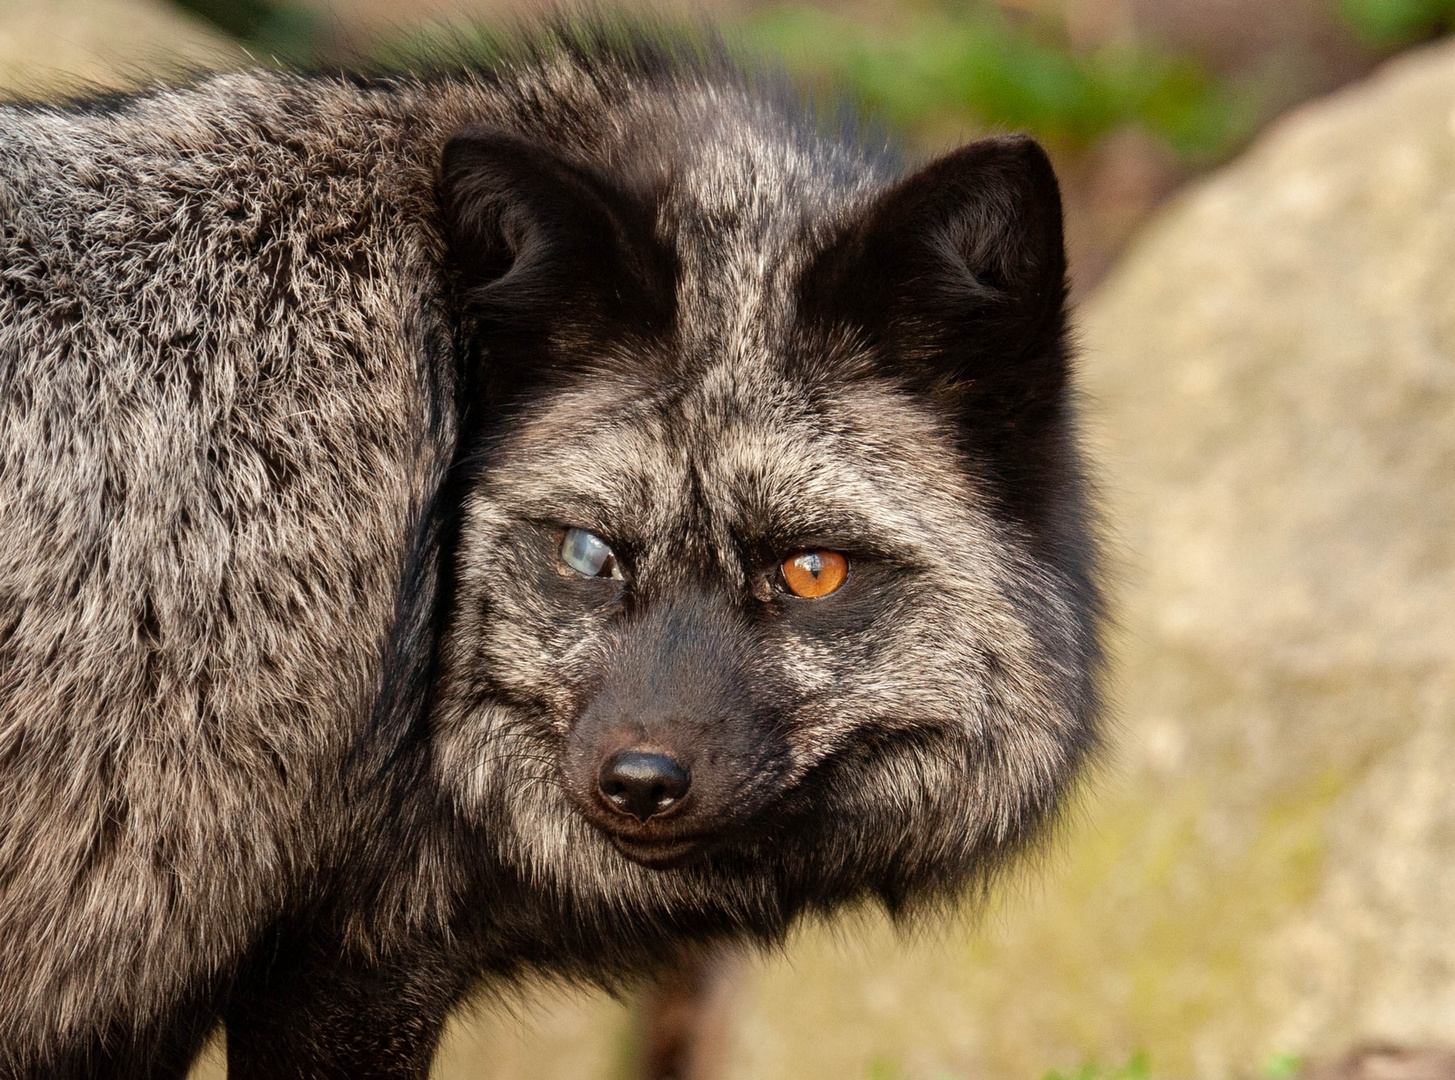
811, 574
588, 554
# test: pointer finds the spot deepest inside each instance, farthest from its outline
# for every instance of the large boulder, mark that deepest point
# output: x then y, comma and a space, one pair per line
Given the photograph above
1267, 869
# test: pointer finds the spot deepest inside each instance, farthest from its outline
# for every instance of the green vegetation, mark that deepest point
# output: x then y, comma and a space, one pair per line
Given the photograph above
1137, 1067
1398, 22
280, 30
1282, 1066
974, 66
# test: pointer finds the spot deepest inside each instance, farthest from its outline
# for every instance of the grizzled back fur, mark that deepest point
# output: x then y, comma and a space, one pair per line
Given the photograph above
312, 391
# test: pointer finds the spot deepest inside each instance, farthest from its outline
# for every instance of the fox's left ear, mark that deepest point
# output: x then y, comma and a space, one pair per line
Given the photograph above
956, 278
965, 253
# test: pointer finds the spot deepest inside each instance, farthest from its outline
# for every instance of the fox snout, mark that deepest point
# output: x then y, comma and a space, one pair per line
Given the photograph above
674, 751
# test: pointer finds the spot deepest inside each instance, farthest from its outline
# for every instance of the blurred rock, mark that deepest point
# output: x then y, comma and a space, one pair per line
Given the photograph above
1268, 869
1276, 369
52, 47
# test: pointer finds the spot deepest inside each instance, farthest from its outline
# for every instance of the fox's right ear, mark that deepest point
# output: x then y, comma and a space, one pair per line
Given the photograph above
548, 248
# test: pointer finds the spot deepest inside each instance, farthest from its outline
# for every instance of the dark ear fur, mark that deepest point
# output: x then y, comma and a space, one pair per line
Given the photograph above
956, 277
553, 256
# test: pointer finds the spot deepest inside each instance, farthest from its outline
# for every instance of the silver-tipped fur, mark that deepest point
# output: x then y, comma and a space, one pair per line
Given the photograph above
303, 719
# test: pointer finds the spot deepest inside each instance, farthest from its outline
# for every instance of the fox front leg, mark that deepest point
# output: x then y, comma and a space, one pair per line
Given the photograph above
315, 1014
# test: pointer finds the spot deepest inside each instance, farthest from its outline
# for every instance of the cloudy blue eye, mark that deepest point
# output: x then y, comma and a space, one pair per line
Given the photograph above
586, 553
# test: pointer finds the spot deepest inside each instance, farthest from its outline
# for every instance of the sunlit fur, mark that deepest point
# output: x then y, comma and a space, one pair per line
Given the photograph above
290, 424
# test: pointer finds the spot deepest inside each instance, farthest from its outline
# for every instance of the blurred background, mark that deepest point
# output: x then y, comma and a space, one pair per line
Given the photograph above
1260, 881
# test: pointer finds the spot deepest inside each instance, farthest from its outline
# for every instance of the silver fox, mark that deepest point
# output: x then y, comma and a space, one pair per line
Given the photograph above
525, 517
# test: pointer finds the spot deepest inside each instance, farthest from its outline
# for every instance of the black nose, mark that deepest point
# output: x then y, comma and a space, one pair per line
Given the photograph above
643, 784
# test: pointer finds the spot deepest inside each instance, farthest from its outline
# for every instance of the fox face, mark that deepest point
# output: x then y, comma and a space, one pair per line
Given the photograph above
772, 577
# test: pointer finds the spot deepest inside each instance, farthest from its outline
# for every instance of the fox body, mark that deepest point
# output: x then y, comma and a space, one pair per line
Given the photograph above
529, 517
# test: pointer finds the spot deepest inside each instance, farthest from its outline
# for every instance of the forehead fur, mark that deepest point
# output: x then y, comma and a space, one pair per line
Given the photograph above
750, 197
746, 192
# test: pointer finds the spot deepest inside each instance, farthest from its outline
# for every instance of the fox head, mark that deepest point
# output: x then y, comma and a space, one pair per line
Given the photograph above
772, 578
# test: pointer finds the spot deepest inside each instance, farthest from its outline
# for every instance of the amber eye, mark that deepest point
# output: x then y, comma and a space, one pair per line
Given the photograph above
811, 574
